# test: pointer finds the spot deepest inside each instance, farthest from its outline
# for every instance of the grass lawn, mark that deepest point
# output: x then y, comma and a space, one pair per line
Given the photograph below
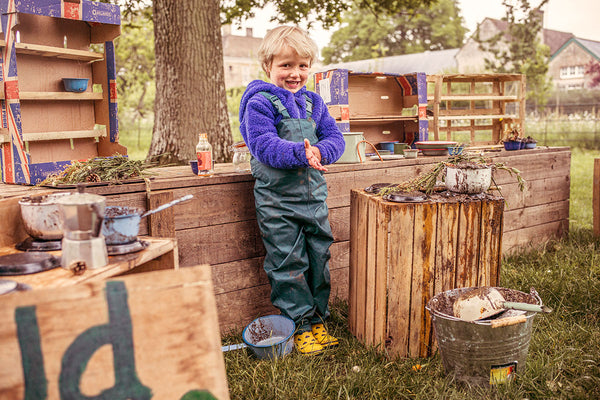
564, 355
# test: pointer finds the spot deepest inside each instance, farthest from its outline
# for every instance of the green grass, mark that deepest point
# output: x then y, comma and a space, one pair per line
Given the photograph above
564, 355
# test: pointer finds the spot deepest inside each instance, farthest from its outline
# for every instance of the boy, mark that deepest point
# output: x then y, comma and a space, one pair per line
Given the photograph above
291, 137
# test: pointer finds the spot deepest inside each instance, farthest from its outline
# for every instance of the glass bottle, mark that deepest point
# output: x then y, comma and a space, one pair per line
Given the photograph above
204, 154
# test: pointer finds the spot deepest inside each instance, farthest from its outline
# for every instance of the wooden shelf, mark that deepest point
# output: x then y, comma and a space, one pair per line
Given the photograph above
56, 52
476, 98
469, 117
41, 136
59, 96
377, 120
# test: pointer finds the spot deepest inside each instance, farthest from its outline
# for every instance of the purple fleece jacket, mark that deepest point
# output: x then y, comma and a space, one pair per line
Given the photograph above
259, 118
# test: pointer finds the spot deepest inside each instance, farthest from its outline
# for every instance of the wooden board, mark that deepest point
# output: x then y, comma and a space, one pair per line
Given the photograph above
162, 253
144, 336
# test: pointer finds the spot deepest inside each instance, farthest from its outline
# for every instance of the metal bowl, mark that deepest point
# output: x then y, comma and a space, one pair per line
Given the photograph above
42, 217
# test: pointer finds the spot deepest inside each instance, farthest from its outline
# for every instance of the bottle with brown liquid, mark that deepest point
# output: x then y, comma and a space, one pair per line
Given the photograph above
204, 154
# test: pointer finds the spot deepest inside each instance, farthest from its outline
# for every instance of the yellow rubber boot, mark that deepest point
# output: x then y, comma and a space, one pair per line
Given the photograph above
307, 344
320, 333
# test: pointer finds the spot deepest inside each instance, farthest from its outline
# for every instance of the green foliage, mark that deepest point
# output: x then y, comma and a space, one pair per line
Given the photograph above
379, 35
519, 49
327, 12
135, 66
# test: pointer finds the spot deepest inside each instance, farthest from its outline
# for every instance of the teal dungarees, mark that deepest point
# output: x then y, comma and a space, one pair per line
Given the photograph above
293, 218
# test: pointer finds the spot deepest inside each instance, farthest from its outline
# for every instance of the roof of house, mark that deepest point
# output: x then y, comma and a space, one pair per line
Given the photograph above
429, 62
240, 46
591, 46
553, 39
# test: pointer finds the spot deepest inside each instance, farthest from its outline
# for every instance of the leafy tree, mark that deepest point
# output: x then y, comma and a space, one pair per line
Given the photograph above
593, 69
190, 83
519, 49
434, 27
135, 60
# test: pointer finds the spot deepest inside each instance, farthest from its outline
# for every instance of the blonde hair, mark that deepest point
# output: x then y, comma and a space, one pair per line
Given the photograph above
281, 36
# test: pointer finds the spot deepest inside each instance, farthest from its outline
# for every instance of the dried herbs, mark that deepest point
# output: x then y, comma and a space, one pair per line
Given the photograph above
113, 169
428, 181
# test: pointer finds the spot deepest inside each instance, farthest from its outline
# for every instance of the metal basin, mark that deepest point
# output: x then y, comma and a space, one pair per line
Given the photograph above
42, 217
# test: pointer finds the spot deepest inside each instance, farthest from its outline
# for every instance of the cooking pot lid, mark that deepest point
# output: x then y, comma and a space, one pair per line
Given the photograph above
377, 187
27, 263
400, 197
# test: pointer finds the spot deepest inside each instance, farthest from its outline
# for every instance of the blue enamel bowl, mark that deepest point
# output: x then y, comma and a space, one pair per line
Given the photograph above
75, 84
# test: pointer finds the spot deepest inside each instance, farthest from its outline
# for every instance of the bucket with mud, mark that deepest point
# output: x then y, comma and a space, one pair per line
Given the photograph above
483, 352
270, 336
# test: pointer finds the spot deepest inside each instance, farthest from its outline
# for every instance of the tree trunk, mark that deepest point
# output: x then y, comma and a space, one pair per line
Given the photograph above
190, 83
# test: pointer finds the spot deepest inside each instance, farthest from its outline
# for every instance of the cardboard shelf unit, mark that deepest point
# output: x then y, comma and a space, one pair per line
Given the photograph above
480, 105
383, 106
43, 126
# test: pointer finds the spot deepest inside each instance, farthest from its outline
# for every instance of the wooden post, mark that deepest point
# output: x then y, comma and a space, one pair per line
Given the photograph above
596, 197
161, 224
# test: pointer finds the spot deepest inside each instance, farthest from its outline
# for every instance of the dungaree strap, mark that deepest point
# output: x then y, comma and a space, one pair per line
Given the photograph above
281, 108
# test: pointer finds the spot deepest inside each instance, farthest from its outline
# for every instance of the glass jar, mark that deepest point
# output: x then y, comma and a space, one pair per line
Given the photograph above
241, 157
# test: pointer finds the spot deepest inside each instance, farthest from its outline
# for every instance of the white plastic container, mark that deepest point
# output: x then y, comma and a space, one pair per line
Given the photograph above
468, 180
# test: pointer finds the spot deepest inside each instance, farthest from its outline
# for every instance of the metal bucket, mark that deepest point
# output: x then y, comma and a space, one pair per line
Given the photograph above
353, 147
478, 352
270, 336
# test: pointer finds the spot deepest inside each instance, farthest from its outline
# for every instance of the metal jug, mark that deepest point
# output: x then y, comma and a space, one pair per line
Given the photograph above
82, 214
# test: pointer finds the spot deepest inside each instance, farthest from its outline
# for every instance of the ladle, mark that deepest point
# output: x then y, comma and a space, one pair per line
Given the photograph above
167, 205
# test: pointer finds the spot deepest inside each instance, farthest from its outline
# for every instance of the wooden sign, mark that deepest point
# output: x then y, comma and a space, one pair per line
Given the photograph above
144, 336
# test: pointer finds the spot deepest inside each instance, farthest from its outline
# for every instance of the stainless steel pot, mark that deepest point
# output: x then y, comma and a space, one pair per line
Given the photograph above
42, 217
82, 215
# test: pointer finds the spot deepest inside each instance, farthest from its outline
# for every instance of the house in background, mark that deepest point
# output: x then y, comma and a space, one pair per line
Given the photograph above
240, 57
569, 55
567, 65
429, 62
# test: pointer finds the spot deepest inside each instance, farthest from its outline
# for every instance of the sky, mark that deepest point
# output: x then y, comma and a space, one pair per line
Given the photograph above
580, 17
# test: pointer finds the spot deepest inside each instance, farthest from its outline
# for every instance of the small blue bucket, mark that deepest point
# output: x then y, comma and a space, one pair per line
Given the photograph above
75, 84
270, 336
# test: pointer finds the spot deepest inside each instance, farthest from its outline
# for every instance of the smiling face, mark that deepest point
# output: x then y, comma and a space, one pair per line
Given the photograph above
289, 70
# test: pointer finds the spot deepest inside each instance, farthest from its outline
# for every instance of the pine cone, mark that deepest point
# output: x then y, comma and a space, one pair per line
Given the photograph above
93, 178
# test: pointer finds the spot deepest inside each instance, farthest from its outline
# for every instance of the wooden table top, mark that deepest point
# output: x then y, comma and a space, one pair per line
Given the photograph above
118, 264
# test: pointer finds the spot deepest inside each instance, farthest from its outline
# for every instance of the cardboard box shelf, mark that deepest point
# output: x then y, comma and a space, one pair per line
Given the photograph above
57, 96
45, 127
55, 52
477, 104
383, 106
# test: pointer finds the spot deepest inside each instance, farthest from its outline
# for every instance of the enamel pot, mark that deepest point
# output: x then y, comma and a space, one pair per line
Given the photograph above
122, 224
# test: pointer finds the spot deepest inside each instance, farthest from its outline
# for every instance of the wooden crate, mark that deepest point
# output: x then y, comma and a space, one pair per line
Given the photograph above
402, 254
385, 107
151, 335
43, 126
477, 104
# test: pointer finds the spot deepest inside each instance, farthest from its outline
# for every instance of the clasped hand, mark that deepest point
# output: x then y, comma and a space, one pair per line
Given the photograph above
313, 155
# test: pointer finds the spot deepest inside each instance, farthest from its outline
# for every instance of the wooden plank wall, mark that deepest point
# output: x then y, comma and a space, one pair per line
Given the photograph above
218, 227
